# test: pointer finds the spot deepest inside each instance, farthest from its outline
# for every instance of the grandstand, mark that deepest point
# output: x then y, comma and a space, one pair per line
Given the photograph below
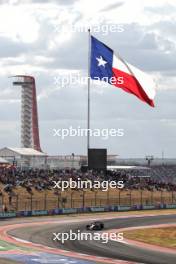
165, 173
33, 189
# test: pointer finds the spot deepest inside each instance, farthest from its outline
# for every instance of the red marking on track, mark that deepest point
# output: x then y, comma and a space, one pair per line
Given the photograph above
6, 237
10, 239
16, 252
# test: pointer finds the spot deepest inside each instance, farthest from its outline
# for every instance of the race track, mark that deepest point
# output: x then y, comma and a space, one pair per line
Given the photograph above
43, 234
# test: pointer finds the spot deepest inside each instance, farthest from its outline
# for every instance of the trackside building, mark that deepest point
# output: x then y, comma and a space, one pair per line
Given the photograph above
24, 157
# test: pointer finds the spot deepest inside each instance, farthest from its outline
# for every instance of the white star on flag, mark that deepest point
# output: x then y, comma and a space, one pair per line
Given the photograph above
101, 62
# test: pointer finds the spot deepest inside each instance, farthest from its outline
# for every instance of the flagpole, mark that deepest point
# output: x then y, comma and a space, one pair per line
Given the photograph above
88, 92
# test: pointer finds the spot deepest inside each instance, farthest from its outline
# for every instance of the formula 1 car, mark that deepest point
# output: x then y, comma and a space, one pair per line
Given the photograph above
95, 226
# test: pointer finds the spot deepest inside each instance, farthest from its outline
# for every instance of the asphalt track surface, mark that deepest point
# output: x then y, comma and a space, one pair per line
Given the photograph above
43, 234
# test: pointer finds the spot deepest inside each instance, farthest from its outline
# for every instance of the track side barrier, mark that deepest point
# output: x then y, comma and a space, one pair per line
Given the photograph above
93, 209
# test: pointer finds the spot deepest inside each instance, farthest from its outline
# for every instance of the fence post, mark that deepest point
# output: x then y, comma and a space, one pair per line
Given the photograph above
141, 197
96, 192
31, 201
119, 197
2, 200
161, 198
83, 198
130, 198
172, 197
151, 197
45, 201
17, 199
58, 200
72, 199
64, 201
107, 202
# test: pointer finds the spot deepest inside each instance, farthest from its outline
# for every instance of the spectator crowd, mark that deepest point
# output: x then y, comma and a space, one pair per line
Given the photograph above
156, 178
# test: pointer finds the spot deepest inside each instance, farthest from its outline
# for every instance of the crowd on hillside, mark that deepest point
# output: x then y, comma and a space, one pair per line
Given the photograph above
158, 178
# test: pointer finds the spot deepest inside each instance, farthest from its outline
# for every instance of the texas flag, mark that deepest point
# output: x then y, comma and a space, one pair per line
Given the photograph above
106, 66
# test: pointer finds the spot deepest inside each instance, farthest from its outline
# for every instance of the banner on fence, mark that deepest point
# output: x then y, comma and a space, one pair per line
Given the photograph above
39, 212
148, 207
7, 215
97, 209
69, 210
59, 211
124, 208
170, 206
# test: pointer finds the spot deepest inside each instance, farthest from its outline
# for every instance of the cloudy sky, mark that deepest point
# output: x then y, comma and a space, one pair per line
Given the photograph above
48, 39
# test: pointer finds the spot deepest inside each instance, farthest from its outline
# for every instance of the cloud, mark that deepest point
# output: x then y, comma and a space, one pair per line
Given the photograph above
59, 2
113, 6
10, 48
148, 43
162, 10
18, 2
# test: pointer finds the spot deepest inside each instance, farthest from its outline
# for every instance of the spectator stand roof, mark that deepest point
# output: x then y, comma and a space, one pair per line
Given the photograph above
113, 168
3, 161
26, 152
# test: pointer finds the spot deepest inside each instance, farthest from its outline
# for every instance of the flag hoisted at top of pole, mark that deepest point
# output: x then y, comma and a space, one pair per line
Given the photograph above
105, 66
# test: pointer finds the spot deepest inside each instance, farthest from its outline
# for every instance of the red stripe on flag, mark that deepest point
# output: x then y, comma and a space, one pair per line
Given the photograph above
131, 85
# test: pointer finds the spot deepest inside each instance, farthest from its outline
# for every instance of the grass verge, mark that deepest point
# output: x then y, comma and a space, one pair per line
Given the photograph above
165, 237
9, 261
